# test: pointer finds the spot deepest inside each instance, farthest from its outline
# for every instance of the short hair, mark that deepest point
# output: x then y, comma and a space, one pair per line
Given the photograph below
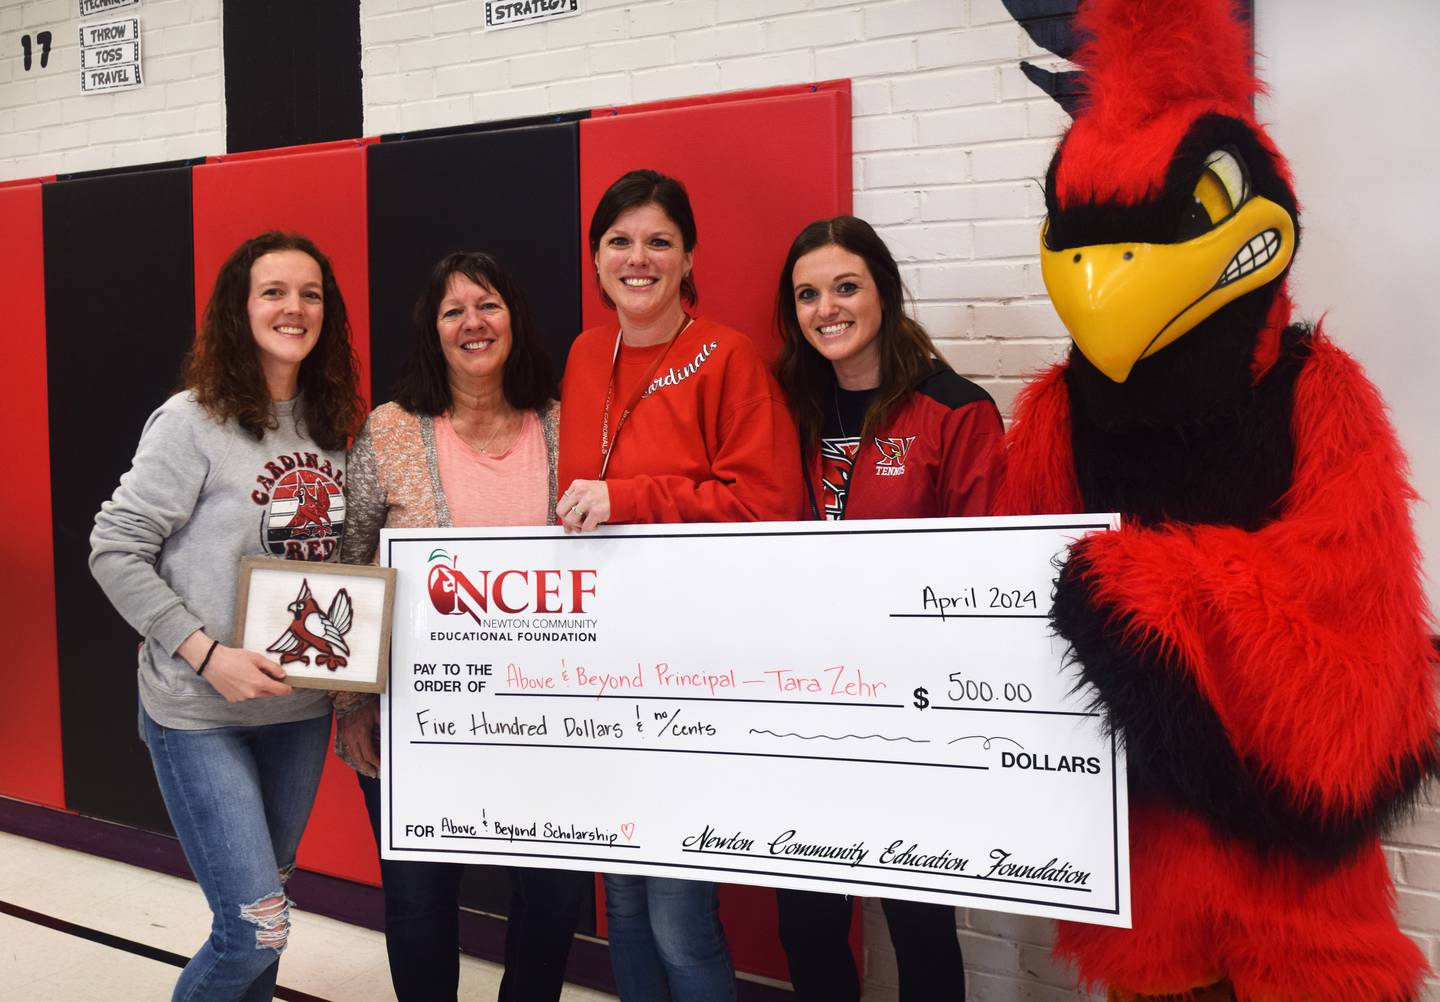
222, 368
633, 189
906, 351
528, 379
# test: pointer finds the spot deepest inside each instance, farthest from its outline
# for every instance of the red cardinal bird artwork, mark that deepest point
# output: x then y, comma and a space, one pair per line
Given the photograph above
311, 628
312, 516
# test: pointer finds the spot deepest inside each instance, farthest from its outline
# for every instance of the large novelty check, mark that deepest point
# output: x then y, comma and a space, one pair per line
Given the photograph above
873, 708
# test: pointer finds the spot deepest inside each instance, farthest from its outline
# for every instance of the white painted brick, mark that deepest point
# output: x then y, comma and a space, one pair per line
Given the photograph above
1025, 358
870, 97
767, 70
394, 27
968, 126
606, 26
1420, 869
1039, 964
378, 60
433, 52
168, 123
205, 62
63, 137
720, 42
187, 147
971, 280
976, 358
470, 78
44, 13
675, 81
591, 92
187, 37
991, 201
1019, 928
1423, 828
947, 89
908, 169
17, 94
86, 158
912, 17
1045, 118
1004, 391
884, 207
464, 16
544, 67
750, 10
380, 119
868, 59
808, 31
10, 18
882, 132
633, 54
38, 116
944, 321
512, 42
114, 129
932, 242
1033, 321
14, 145
1007, 239
971, 46
667, 18
989, 12
438, 113
1016, 86
1009, 161
518, 102
404, 88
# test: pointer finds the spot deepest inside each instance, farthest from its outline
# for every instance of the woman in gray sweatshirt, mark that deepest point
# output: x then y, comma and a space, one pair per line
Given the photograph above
247, 459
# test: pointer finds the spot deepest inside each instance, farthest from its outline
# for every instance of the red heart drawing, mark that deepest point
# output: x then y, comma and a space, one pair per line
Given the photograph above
628, 830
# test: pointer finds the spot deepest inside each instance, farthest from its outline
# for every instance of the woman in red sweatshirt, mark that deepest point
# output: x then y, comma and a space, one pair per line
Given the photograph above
887, 430
669, 417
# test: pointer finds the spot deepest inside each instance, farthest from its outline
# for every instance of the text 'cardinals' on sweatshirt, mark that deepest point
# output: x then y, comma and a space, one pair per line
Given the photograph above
166, 547
710, 441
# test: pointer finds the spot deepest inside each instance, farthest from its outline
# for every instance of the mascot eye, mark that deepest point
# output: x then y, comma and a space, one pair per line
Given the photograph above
1219, 192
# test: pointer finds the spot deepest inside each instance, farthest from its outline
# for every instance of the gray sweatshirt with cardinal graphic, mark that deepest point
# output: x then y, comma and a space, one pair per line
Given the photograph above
166, 547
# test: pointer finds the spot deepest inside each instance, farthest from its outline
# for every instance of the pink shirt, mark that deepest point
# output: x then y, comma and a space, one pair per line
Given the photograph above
507, 489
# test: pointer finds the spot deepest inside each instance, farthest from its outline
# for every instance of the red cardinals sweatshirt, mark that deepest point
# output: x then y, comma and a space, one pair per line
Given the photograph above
709, 440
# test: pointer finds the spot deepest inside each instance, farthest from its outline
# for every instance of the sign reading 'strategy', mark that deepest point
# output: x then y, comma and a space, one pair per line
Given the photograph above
871, 707
512, 13
110, 55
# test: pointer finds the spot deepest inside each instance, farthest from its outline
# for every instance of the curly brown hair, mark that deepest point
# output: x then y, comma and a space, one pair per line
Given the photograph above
223, 371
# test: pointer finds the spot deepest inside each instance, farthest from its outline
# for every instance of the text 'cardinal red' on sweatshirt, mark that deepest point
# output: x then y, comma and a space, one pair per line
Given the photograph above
710, 439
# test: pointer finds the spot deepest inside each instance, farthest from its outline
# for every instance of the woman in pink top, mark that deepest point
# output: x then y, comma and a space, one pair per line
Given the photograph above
470, 439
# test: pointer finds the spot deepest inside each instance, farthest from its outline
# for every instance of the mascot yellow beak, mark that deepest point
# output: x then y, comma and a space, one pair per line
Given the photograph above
1123, 302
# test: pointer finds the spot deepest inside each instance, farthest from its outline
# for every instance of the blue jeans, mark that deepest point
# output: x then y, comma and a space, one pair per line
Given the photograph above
239, 798
666, 940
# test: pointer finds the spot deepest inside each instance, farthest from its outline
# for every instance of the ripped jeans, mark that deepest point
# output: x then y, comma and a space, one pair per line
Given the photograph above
239, 798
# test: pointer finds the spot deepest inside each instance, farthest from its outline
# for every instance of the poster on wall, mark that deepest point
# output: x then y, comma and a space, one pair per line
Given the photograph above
856, 707
513, 13
110, 56
89, 7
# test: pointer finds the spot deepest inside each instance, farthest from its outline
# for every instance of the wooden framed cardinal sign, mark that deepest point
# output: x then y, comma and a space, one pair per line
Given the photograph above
327, 625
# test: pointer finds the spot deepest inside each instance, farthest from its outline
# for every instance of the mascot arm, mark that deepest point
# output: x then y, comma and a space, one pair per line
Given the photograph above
1278, 681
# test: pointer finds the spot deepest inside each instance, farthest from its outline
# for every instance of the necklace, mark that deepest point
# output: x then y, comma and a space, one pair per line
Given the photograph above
840, 420
484, 447
607, 443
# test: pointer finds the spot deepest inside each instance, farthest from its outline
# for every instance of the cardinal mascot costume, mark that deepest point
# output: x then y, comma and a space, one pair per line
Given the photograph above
1256, 629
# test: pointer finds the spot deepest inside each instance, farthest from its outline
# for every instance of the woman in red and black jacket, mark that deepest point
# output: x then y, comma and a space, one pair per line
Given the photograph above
887, 430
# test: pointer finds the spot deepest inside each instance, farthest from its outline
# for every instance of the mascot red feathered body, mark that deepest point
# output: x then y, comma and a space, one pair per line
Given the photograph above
1256, 629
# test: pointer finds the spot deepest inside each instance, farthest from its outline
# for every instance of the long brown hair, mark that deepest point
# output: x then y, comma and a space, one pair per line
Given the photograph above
528, 378
906, 352
223, 370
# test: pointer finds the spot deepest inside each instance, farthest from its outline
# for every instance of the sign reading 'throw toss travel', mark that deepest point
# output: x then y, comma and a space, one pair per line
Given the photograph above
862, 707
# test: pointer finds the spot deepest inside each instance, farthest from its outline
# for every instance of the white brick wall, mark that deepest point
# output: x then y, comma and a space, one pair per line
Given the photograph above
48, 126
950, 141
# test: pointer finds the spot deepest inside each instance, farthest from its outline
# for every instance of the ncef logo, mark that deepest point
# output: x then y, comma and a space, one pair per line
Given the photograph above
509, 592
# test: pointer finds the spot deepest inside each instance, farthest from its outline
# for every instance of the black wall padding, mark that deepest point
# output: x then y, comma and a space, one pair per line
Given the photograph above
514, 193
119, 314
292, 72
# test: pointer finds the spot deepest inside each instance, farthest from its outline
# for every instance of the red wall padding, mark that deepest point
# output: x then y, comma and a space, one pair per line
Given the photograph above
757, 169
31, 767
322, 195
